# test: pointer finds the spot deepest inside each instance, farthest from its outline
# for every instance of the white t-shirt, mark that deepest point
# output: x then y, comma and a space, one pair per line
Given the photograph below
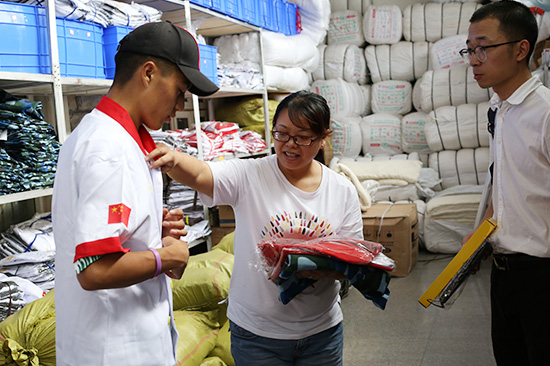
521, 174
107, 200
266, 205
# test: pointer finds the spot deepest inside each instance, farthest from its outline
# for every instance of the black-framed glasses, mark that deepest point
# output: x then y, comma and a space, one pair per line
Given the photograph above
298, 140
480, 51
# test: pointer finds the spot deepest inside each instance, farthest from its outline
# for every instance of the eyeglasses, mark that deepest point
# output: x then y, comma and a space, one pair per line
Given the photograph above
480, 51
299, 140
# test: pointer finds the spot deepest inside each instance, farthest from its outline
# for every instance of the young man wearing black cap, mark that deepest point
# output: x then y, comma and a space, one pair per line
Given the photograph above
115, 250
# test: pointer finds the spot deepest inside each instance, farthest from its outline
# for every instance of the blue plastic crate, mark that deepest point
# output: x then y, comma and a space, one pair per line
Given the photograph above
22, 30
266, 10
111, 38
209, 62
80, 49
250, 12
232, 8
291, 12
205, 3
281, 16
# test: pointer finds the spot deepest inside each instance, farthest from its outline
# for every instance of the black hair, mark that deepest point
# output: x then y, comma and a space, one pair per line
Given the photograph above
128, 63
517, 21
306, 110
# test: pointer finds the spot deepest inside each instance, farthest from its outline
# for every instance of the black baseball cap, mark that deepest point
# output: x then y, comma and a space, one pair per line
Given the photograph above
173, 43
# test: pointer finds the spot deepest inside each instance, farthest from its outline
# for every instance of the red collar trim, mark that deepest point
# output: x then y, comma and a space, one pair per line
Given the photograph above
119, 114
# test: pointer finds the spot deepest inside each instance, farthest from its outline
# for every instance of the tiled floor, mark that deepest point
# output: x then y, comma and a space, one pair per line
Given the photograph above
407, 334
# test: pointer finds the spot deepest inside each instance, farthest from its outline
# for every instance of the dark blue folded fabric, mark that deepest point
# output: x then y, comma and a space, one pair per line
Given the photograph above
372, 282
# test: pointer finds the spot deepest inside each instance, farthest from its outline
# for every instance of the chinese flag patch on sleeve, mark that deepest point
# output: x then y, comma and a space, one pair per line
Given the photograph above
119, 214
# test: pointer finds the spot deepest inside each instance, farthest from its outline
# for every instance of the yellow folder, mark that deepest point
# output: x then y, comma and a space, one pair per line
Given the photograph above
458, 263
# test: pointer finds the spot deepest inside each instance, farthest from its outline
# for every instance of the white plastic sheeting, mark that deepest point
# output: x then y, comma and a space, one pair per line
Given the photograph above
458, 127
286, 78
399, 61
315, 16
381, 134
343, 98
433, 21
412, 133
343, 61
391, 96
453, 86
236, 48
460, 167
346, 136
286, 51
382, 24
445, 54
346, 27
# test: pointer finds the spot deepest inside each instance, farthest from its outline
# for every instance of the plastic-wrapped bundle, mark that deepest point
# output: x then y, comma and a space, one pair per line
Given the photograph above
366, 95
450, 216
433, 21
391, 96
399, 61
346, 27
460, 167
315, 16
343, 61
382, 24
343, 98
381, 133
346, 136
454, 86
444, 53
286, 78
359, 6
455, 128
286, 51
412, 133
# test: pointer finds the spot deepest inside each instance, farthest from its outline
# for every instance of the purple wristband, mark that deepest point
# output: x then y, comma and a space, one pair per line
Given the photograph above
159, 263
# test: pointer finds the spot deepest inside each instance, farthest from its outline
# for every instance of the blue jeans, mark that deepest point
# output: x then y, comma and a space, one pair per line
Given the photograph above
321, 349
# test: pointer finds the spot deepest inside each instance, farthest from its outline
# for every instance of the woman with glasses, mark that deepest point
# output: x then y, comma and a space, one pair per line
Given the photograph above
288, 194
501, 39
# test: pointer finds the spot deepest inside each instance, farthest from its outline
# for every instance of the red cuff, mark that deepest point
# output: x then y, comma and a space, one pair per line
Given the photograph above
99, 247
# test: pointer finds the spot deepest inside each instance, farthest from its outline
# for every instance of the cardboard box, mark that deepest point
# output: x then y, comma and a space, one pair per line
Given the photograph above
396, 228
226, 216
219, 232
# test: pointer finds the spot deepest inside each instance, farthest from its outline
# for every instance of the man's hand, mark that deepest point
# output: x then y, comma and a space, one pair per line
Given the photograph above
173, 224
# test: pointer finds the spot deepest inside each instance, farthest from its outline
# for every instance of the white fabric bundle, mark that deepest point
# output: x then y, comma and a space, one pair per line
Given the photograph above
343, 98
445, 52
381, 133
382, 24
460, 167
391, 96
346, 136
366, 95
454, 86
417, 95
343, 61
315, 16
455, 128
412, 133
287, 51
346, 27
359, 6
449, 217
285, 78
433, 21
399, 61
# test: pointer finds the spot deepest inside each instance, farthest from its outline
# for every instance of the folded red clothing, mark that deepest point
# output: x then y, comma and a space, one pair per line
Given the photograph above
346, 249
